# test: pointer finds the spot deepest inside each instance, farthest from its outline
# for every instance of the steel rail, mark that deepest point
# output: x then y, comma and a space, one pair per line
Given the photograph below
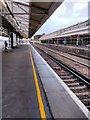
68, 68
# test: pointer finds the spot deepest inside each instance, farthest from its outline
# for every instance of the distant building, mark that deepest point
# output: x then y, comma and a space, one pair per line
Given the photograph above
77, 34
37, 37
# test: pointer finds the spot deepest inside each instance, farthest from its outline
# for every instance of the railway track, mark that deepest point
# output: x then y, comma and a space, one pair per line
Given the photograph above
75, 53
78, 83
78, 64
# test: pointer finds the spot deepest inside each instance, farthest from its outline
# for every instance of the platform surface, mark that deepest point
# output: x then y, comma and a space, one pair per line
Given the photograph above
19, 97
61, 103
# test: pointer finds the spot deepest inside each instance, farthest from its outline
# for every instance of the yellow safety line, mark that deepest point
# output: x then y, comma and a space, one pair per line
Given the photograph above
41, 106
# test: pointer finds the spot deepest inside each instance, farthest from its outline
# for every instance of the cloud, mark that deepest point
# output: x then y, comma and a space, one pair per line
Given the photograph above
80, 9
61, 10
80, 5
75, 1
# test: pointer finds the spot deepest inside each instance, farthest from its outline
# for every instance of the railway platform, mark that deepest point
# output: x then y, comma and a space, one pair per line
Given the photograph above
31, 89
19, 93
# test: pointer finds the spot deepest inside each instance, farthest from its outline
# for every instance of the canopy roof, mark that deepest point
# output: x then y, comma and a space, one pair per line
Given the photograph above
68, 33
30, 16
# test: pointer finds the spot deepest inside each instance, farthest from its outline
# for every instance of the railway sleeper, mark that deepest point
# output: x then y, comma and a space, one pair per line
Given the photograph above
86, 101
56, 68
72, 80
61, 71
78, 90
79, 87
73, 84
62, 74
67, 77
83, 95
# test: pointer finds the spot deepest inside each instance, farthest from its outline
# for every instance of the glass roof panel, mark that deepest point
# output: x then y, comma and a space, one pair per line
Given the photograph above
20, 12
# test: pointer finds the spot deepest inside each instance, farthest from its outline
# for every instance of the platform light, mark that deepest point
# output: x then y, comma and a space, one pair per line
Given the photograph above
3, 2
19, 27
21, 30
14, 20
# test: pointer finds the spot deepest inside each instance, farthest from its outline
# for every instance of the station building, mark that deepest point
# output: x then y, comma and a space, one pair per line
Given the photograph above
37, 37
77, 34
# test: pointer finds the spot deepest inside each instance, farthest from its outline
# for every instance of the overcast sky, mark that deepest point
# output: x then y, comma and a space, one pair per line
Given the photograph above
68, 13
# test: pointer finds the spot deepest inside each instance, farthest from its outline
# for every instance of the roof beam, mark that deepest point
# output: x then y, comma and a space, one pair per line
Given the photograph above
23, 4
23, 21
6, 13
15, 13
21, 17
34, 22
22, 8
38, 10
32, 27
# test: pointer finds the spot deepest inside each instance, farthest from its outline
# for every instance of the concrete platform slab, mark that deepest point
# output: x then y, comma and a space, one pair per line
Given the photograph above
63, 106
19, 98
44, 72
52, 85
60, 97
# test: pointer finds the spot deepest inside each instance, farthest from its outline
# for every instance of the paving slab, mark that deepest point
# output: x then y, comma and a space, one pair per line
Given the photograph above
52, 85
63, 106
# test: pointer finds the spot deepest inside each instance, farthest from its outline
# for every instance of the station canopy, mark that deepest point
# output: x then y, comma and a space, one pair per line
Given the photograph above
31, 15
